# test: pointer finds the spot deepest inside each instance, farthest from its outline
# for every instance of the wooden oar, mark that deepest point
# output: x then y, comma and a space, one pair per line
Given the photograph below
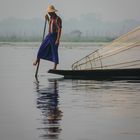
37, 68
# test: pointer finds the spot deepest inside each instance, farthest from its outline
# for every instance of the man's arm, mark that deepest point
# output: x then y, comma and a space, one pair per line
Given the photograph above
59, 31
58, 36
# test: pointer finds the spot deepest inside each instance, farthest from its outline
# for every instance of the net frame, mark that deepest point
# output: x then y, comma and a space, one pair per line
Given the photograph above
95, 60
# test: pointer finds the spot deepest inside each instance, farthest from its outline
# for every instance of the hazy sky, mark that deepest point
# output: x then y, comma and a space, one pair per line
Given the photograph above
113, 10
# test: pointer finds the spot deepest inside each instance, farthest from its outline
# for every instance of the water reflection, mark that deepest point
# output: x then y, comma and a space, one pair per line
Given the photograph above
51, 115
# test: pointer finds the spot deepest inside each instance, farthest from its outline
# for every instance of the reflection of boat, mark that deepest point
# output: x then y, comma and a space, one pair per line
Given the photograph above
118, 60
105, 74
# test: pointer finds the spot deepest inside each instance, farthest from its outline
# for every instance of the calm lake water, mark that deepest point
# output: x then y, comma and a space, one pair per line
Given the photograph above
58, 109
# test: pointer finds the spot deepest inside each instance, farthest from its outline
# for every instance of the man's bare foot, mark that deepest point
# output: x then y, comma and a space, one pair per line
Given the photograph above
55, 67
35, 63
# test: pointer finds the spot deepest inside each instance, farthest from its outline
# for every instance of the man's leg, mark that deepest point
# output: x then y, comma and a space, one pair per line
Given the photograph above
55, 66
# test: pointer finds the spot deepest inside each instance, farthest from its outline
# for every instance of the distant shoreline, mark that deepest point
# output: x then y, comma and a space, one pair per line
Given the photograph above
63, 39
62, 44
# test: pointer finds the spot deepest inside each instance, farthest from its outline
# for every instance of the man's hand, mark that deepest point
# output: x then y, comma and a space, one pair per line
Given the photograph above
57, 42
47, 17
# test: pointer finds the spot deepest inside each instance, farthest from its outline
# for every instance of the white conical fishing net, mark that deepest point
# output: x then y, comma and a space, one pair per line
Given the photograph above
123, 52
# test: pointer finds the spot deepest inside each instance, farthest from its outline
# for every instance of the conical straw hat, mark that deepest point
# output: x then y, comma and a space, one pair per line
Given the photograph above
51, 8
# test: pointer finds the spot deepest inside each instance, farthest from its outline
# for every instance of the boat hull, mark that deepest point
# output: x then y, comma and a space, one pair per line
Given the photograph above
101, 74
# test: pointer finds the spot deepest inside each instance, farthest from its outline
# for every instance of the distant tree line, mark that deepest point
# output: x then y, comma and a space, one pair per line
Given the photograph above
73, 36
86, 28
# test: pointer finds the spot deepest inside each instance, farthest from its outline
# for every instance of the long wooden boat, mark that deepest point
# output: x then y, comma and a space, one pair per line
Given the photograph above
100, 74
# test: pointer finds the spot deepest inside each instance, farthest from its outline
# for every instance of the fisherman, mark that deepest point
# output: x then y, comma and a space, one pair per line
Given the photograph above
49, 47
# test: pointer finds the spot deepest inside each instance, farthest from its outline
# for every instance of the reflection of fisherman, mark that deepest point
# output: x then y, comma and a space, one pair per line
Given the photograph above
54, 113
47, 102
49, 47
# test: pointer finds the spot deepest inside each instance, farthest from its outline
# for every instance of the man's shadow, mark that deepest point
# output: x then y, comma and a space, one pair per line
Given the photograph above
48, 103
